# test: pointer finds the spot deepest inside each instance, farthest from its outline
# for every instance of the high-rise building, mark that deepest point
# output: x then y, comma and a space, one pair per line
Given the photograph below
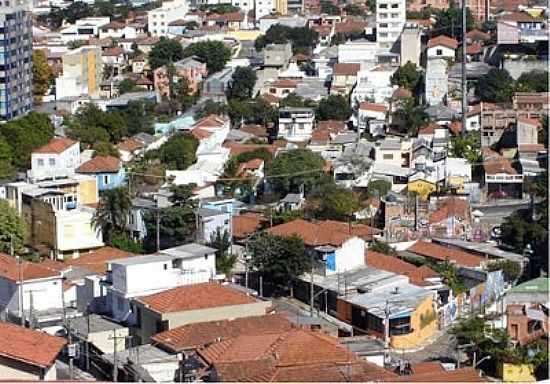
390, 19
82, 73
159, 18
15, 59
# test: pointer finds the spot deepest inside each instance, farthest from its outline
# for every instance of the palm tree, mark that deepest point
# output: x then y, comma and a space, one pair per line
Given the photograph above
410, 117
112, 212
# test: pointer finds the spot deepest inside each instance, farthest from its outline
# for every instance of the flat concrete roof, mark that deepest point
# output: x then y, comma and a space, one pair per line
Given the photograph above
483, 249
96, 323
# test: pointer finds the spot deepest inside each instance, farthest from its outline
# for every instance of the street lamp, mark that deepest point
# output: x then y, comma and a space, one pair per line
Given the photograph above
488, 357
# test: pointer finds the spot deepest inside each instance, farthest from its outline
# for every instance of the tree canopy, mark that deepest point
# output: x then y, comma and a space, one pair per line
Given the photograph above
496, 86
214, 53
164, 52
467, 147
407, 76
449, 21
179, 151
112, 212
225, 261
410, 117
378, 188
242, 83
332, 202
13, 229
303, 39
333, 107
42, 75
90, 125
533, 81
295, 168
279, 259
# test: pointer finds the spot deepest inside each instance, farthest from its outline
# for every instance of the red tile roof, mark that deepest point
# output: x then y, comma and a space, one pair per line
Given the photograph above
442, 253
226, 17
271, 99
29, 346
474, 48
334, 126
417, 275
238, 148
365, 105
350, 26
211, 121
323, 30
200, 134
477, 35
284, 83
113, 51
522, 17
427, 367
328, 232
100, 164
200, 334
247, 223
129, 145
346, 69
250, 165
452, 206
527, 120
9, 269
532, 97
56, 145
254, 129
98, 259
445, 41
463, 375
196, 296
494, 163
428, 129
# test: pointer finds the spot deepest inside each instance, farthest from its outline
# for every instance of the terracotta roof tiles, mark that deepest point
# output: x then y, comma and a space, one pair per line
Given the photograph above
346, 69
452, 206
442, 253
246, 224
195, 296
100, 164
129, 145
9, 269
29, 346
365, 105
56, 145
445, 41
494, 163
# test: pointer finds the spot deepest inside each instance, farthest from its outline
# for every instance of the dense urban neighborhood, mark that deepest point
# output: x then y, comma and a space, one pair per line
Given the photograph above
274, 190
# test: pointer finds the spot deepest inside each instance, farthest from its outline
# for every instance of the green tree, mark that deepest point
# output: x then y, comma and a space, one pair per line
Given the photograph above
211, 107
214, 53
103, 148
295, 168
220, 9
225, 261
127, 86
233, 164
295, 101
449, 21
279, 259
449, 274
176, 223
42, 75
467, 147
510, 269
533, 81
378, 188
112, 212
407, 76
164, 52
381, 247
329, 8
6, 160
90, 125
543, 131
13, 229
138, 116
354, 10
410, 117
242, 83
179, 151
338, 203
496, 86
333, 107
303, 39
183, 94
25, 134
124, 242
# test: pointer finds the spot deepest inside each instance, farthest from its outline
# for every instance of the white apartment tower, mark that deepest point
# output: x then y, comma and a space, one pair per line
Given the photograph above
159, 18
390, 19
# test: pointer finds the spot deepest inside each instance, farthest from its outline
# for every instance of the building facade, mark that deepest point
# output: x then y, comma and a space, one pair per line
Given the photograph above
16, 95
390, 19
82, 73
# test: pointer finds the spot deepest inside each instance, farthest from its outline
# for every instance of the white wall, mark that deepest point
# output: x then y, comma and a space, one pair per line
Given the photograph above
64, 163
74, 231
46, 294
159, 18
446, 52
350, 255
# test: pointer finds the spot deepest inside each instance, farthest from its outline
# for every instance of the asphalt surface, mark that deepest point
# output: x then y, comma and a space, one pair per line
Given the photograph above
443, 349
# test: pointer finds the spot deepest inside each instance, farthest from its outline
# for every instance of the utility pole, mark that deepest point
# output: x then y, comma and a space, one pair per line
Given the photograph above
464, 80
311, 295
158, 229
386, 331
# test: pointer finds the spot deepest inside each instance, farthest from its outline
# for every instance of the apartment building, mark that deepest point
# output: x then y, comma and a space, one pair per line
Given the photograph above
15, 60
82, 73
159, 18
296, 124
390, 19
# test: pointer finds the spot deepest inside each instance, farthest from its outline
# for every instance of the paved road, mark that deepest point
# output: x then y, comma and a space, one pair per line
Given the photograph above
443, 348
495, 213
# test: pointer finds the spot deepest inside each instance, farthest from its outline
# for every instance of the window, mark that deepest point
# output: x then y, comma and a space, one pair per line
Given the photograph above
383, 25
106, 179
40, 162
388, 156
383, 6
52, 162
439, 52
165, 266
395, 5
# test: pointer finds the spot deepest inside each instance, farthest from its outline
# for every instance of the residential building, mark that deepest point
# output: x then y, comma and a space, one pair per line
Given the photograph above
337, 246
529, 293
189, 68
390, 20
193, 303
16, 91
108, 171
521, 27
215, 86
27, 354
357, 51
451, 219
344, 77
438, 253
418, 5
501, 180
28, 289
83, 29
370, 111
436, 81
245, 225
374, 85
277, 55
526, 323
531, 101
57, 159
99, 333
411, 47
442, 47
82, 73
527, 131
210, 221
145, 275
158, 19
296, 124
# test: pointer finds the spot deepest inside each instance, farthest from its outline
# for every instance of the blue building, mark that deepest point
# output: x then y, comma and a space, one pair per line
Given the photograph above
108, 171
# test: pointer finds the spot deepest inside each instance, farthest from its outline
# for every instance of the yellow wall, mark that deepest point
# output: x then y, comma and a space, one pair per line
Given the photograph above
87, 191
92, 85
244, 35
421, 187
456, 182
419, 333
281, 6
518, 372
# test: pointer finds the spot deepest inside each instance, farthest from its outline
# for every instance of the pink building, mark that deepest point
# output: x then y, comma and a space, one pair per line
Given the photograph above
193, 70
